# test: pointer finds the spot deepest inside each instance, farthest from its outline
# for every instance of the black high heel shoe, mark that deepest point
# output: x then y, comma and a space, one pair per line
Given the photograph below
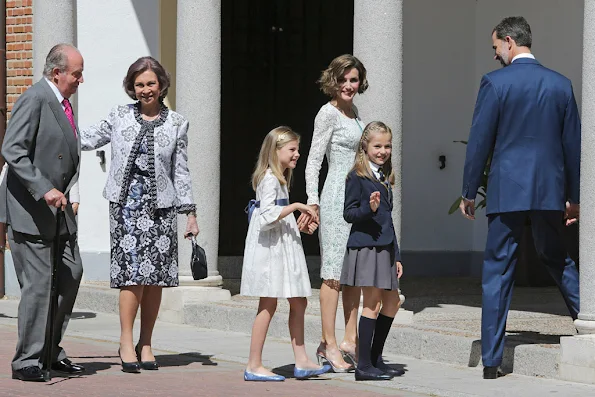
132, 368
147, 365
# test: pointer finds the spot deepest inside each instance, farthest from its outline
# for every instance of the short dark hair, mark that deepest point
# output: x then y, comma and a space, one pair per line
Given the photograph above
142, 65
517, 28
329, 78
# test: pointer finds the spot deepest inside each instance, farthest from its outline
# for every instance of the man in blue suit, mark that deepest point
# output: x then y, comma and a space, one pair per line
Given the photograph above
526, 116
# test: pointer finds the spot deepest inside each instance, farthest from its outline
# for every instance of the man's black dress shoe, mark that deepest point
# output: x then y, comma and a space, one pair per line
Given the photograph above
363, 375
381, 365
492, 372
68, 367
28, 374
146, 365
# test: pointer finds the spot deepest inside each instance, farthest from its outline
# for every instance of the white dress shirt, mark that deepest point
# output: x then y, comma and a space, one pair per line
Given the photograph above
375, 169
74, 190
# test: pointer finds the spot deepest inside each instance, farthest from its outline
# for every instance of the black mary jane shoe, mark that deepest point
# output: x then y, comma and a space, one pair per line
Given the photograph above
492, 373
68, 367
28, 374
364, 375
387, 369
131, 368
146, 365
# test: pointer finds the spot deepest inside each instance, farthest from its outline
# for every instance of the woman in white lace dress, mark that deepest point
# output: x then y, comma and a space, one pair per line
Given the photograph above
337, 131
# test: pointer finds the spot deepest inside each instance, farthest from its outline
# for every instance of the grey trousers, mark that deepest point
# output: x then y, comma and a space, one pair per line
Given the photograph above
32, 258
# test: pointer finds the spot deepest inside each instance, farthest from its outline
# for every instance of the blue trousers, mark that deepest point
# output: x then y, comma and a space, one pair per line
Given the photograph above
500, 257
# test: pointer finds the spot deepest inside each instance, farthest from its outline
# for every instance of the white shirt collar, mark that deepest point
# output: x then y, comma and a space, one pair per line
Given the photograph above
523, 55
56, 91
375, 169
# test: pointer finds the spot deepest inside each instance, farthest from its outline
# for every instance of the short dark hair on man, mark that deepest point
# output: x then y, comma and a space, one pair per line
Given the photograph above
517, 28
142, 65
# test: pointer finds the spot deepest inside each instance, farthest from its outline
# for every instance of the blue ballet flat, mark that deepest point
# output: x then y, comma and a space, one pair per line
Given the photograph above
306, 373
252, 377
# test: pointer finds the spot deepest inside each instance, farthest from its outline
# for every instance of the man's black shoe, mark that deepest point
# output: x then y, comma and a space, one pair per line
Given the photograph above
68, 367
492, 373
28, 374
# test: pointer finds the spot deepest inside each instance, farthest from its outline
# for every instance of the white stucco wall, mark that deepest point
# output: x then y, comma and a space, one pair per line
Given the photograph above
438, 95
446, 51
111, 35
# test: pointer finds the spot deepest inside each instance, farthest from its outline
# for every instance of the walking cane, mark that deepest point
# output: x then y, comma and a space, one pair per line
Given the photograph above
49, 328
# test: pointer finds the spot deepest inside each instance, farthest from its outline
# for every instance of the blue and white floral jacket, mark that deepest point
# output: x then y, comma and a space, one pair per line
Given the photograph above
167, 138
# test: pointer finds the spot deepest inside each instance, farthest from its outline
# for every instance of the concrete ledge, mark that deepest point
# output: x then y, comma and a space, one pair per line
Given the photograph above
577, 358
419, 263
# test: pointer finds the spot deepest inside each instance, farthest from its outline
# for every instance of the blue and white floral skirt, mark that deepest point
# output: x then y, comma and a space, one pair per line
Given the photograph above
144, 243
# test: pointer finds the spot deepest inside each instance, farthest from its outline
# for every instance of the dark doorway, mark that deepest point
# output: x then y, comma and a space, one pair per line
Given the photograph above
272, 54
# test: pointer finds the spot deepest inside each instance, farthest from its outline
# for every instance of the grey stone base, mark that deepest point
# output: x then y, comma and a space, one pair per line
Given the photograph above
426, 343
577, 358
418, 264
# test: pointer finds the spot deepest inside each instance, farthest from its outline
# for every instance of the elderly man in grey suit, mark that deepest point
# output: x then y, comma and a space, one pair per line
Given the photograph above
42, 151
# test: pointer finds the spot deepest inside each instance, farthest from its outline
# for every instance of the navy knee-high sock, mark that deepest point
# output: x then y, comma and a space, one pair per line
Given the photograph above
366, 335
383, 324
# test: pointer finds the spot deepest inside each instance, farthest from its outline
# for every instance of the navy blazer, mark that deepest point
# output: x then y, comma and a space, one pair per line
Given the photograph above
527, 114
369, 229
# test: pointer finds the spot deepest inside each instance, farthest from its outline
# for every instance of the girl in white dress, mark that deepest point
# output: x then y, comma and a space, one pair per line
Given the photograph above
274, 261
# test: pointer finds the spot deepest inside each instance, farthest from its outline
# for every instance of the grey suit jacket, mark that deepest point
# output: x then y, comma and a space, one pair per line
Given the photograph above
42, 153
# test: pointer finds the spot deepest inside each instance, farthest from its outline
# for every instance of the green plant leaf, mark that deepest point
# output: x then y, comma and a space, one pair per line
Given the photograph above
455, 206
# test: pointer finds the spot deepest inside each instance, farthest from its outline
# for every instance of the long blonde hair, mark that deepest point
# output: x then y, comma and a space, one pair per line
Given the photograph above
275, 140
362, 163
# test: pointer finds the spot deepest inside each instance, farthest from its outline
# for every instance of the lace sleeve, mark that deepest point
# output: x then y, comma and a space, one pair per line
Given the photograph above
98, 135
324, 125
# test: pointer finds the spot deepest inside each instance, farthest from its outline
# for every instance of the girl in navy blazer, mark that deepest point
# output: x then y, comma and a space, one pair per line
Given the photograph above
373, 260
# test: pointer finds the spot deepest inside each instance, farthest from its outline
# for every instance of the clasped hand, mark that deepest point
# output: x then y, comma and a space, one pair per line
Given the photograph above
55, 198
309, 220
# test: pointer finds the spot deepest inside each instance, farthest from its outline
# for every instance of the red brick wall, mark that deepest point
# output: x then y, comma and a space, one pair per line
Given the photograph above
19, 49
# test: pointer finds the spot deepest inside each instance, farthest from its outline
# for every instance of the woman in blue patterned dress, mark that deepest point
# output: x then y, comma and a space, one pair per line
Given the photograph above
148, 185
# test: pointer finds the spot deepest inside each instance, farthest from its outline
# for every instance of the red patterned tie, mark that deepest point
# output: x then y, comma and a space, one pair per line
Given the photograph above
69, 114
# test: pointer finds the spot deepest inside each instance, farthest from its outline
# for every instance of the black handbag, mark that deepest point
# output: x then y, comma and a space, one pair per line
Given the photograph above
198, 262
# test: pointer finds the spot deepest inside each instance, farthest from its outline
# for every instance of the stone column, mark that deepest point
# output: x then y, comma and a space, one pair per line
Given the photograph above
54, 22
577, 352
198, 98
378, 43
586, 318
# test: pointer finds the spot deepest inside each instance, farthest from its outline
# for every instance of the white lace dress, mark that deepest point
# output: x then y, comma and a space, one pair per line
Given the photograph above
274, 260
337, 136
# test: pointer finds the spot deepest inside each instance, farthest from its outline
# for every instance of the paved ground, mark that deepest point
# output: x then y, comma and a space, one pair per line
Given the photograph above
200, 362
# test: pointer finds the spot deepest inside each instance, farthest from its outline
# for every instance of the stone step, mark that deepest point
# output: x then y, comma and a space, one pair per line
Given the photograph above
522, 355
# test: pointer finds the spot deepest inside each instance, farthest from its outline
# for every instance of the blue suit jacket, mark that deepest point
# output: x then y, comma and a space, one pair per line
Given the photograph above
527, 114
369, 229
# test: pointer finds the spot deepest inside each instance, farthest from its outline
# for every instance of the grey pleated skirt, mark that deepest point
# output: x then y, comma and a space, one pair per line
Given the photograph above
370, 267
